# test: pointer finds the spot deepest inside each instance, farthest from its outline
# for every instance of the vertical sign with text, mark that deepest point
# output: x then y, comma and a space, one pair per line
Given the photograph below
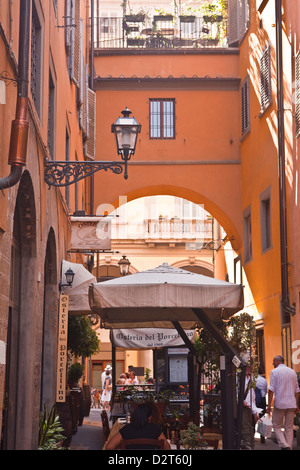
62, 348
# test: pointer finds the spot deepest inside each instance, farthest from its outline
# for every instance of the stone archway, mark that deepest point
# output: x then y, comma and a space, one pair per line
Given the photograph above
19, 386
232, 227
50, 322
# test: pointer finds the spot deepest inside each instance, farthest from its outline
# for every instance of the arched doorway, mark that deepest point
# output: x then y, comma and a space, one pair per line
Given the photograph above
19, 373
50, 321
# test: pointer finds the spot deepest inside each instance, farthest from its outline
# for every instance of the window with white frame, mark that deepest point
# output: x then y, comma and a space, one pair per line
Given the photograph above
162, 118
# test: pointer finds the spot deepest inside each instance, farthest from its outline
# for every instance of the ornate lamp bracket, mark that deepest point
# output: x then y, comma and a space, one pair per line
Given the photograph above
64, 173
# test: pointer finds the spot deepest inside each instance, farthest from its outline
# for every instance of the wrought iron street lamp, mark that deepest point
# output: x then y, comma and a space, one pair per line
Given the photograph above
126, 130
69, 274
124, 264
64, 173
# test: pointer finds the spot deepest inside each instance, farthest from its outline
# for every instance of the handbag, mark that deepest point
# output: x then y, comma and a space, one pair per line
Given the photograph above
265, 426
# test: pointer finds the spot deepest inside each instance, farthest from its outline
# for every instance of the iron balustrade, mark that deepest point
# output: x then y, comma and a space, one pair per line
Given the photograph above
181, 32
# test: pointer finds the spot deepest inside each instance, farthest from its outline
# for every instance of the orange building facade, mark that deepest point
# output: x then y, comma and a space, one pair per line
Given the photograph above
223, 153
34, 218
210, 132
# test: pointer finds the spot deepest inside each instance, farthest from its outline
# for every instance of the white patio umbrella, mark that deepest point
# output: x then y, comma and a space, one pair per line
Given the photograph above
79, 292
155, 298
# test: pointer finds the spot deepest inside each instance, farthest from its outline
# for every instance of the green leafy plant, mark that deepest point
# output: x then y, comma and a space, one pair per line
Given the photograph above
82, 339
50, 431
147, 373
75, 372
191, 438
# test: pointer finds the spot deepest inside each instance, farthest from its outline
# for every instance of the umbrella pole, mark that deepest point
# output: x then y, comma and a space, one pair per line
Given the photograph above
227, 385
192, 367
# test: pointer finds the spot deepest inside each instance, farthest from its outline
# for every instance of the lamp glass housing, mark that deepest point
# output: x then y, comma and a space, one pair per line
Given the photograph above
69, 276
124, 264
126, 130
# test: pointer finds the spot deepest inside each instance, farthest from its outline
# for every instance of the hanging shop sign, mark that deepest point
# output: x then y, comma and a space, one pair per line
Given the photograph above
146, 338
90, 233
62, 349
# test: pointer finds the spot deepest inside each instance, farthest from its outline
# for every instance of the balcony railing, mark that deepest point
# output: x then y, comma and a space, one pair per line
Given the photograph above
164, 229
160, 32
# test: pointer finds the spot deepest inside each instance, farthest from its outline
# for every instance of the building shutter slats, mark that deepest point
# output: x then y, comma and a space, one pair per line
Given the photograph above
297, 94
245, 106
91, 133
265, 78
238, 20
76, 43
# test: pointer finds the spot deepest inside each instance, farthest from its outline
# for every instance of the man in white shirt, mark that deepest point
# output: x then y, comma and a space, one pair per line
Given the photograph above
284, 385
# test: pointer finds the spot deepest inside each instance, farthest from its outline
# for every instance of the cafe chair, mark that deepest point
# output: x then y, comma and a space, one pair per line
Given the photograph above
156, 443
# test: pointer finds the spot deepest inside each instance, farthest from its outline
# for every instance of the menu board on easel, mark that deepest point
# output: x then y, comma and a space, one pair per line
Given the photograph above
178, 366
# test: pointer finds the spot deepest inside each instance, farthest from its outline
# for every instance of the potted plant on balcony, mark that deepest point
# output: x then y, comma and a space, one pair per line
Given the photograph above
188, 15
212, 13
136, 17
162, 15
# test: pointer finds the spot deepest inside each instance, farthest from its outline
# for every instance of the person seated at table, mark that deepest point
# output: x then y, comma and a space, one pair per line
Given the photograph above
128, 379
121, 381
140, 427
134, 379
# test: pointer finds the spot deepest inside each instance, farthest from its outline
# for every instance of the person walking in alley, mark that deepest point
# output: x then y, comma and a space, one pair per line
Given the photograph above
106, 395
284, 385
250, 413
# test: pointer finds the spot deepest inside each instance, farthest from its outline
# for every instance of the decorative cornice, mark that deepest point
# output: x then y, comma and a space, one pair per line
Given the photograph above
195, 82
169, 51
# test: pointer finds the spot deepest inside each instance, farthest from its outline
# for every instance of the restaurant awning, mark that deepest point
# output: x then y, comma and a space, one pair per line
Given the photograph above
78, 293
160, 296
168, 297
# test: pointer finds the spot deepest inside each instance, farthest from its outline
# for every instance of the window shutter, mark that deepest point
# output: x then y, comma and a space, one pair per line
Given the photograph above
238, 20
85, 100
91, 134
265, 78
81, 78
76, 43
233, 22
245, 105
297, 94
68, 22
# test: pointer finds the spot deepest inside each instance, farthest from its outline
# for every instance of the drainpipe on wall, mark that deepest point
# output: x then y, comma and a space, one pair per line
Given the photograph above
287, 309
20, 125
92, 88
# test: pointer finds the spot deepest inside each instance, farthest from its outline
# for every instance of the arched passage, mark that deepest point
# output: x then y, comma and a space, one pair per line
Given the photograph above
50, 319
220, 213
21, 325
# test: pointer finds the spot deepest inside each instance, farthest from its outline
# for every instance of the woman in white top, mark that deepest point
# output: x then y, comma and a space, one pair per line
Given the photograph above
106, 395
